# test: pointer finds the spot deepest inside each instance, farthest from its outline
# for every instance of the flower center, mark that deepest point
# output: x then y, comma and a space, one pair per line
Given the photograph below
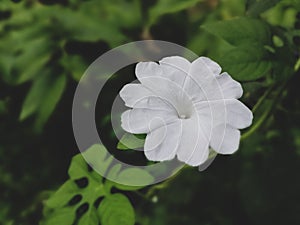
184, 110
183, 117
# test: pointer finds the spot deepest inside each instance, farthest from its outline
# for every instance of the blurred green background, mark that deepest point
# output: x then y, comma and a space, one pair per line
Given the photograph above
46, 45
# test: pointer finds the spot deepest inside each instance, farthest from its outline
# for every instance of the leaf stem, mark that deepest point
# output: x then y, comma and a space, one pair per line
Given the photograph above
266, 114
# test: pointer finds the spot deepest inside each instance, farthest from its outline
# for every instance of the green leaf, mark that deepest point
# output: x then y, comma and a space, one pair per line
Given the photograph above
241, 31
63, 195
134, 177
127, 187
129, 175
294, 3
283, 64
130, 141
84, 27
256, 7
63, 216
6, 64
96, 156
94, 21
78, 170
43, 97
35, 54
246, 63
163, 7
26, 51
75, 65
114, 171
90, 217
52, 96
78, 167
116, 209
87, 193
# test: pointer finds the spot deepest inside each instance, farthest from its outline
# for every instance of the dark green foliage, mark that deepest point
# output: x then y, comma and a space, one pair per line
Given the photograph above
45, 47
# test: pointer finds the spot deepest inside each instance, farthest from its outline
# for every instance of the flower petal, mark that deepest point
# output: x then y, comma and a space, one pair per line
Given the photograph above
204, 72
212, 65
193, 148
225, 139
174, 68
194, 90
138, 96
161, 144
185, 108
208, 162
226, 111
134, 93
238, 115
175, 63
170, 92
141, 121
230, 87
147, 69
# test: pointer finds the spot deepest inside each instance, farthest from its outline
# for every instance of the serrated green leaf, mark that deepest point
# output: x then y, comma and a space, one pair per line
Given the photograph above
116, 209
130, 141
163, 7
246, 63
241, 31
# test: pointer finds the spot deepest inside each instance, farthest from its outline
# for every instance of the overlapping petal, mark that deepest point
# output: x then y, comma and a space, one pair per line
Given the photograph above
225, 139
162, 143
138, 96
204, 72
141, 121
175, 68
193, 148
147, 69
229, 111
169, 91
230, 88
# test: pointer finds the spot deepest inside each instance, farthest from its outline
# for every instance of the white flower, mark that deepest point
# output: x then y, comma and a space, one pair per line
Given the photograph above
185, 109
